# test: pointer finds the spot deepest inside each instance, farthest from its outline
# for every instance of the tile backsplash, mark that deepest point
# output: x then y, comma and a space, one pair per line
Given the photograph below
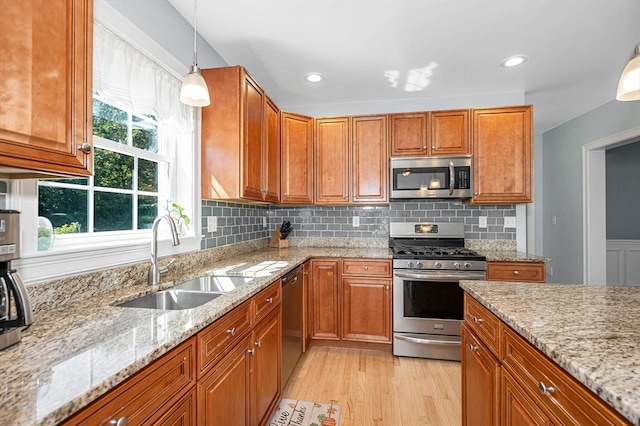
244, 222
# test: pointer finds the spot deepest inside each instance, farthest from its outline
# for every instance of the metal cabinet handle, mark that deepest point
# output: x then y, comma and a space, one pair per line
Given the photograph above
258, 343
475, 193
232, 331
251, 351
270, 300
433, 147
85, 147
516, 273
544, 389
286, 194
366, 268
386, 287
122, 421
473, 348
477, 320
424, 147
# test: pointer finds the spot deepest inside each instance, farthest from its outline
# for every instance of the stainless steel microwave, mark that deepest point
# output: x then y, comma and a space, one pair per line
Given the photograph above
431, 177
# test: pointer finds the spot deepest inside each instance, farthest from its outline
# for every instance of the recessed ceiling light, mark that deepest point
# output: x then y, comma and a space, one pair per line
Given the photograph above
513, 61
313, 77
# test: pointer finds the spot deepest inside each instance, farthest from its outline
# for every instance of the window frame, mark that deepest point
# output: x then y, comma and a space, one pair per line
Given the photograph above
98, 251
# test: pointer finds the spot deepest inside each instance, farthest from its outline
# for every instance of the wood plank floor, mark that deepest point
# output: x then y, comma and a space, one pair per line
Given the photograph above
376, 388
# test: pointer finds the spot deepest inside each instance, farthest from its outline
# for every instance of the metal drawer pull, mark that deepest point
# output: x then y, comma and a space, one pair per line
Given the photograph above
478, 320
270, 300
516, 273
251, 351
232, 331
258, 344
429, 341
86, 148
545, 389
366, 268
122, 421
473, 348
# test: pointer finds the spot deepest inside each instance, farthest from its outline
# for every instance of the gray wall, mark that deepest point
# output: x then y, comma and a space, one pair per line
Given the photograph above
562, 183
243, 222
623, 192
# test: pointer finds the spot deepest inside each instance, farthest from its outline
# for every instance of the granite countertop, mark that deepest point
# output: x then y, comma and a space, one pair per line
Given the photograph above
73, 354
591, 331
511, 256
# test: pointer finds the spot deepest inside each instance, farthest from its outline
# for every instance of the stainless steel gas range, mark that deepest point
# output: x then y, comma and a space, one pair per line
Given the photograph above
429, 260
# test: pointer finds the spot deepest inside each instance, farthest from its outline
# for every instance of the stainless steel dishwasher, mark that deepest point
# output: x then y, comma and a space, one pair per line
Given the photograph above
292, 299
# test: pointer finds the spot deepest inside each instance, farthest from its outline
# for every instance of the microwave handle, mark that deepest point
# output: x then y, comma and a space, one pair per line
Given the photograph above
452, 177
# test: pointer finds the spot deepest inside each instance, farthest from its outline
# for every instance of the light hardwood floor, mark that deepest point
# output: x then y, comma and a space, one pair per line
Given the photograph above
376, 388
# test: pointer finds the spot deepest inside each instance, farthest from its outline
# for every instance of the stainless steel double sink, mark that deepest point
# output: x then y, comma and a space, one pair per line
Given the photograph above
188, 294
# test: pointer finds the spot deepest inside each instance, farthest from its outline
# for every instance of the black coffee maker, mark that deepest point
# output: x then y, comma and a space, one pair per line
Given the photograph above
15, 306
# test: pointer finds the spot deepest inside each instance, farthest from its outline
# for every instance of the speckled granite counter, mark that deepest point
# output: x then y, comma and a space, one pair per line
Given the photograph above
73, 354
511, 256
593, 332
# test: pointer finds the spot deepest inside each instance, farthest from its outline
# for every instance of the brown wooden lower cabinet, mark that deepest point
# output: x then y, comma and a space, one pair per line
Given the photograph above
480, 382
351, 300
532, 389
534, 272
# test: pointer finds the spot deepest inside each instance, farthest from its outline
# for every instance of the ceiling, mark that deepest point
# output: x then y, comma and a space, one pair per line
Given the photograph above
376, 51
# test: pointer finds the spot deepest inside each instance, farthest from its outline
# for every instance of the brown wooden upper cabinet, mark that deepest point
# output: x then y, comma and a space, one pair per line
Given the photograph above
45, 79
502, 155
351, 160
430, 133
296, 154
240, 138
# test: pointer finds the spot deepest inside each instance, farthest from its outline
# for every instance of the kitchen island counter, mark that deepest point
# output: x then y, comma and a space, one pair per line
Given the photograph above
73, 354
591, 331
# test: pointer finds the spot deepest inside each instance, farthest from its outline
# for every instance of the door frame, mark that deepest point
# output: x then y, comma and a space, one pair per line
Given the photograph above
594, 211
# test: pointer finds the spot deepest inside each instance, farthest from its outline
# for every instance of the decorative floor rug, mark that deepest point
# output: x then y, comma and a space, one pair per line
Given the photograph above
292, 412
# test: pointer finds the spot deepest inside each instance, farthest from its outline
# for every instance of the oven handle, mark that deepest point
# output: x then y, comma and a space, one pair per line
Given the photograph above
441, 277
429, 341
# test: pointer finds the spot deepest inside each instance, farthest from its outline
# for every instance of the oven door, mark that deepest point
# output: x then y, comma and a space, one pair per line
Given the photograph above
427, 311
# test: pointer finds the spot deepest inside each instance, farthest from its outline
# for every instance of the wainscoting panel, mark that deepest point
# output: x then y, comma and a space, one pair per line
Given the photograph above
623, 262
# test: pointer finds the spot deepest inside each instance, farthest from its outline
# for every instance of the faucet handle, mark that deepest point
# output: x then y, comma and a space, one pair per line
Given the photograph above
166, 268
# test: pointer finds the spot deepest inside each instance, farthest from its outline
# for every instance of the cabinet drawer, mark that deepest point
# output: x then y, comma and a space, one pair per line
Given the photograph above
483, 323
142, 398
266, 300
366, 267
516, 271
215, 340
565, 398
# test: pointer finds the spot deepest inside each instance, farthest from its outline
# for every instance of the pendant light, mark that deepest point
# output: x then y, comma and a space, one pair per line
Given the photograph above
629, 85
194, 89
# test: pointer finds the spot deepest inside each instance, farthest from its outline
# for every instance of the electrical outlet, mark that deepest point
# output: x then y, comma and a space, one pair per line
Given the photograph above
212, 224
356, 221
264, 222
482, 223
550, 271
509, 222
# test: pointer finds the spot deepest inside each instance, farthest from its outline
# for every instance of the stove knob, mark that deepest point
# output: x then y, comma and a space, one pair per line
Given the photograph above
467, 265
420, 265
437, 265
410, 264
457, 265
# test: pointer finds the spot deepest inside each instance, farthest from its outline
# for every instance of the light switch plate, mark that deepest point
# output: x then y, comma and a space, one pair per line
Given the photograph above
509, 222
356, 221
482, 223
212, 224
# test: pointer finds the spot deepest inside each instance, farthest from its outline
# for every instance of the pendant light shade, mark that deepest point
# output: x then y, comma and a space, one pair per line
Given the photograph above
629, 85
194, 89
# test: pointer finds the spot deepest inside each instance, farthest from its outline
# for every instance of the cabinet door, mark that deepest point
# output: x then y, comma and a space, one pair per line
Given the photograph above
296, 153
271, 152
366, 309
480, 382
370, 160
45, 81
332, 160
325, 276
518, 408
267, 367
409, 134
252, 140
450, 132
223, 395
502, 155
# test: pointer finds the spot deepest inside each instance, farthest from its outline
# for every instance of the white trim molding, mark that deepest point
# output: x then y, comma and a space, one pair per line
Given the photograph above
623, 262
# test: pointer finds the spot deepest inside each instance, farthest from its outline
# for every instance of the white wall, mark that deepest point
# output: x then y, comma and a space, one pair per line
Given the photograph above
562, 183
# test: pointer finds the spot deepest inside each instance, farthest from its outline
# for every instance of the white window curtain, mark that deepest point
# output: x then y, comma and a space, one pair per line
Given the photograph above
126, 78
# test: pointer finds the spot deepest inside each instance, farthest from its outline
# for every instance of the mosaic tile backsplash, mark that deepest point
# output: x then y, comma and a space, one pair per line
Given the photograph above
244, 222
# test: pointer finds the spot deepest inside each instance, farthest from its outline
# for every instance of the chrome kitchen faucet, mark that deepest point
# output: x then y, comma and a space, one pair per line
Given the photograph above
154, 271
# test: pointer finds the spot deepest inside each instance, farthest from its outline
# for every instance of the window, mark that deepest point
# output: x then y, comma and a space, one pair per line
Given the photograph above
130, 182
